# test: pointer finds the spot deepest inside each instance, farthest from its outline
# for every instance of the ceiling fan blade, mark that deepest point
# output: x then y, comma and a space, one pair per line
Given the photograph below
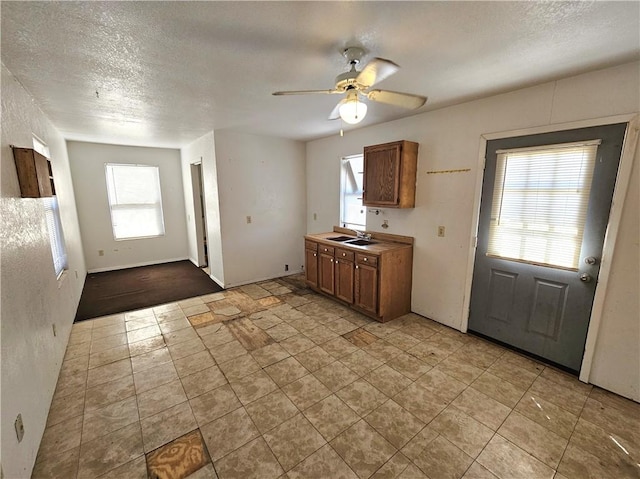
375, 71
405, 100
335, 113
304, 92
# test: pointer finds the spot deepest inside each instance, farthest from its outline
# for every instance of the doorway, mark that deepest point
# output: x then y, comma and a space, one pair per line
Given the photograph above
543, 216
199, 213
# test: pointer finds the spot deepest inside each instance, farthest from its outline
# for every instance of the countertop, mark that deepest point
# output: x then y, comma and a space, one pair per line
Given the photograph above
379, 246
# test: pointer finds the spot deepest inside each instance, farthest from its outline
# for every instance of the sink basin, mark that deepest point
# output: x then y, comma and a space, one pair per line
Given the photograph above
341, 238
360, 242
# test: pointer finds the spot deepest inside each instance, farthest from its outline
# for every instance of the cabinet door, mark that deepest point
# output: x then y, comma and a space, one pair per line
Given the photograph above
366, 288
382, 175
311, 268
344, 280
326, 273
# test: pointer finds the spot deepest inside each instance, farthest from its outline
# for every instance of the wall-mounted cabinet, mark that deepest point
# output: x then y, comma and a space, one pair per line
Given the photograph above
390, 174
34, 173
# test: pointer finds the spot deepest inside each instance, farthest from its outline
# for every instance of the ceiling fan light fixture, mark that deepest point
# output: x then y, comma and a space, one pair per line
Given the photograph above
353, 111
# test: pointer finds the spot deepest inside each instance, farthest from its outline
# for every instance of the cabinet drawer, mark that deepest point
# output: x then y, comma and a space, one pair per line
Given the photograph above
367, 259
312, 245
326, 249
344, 254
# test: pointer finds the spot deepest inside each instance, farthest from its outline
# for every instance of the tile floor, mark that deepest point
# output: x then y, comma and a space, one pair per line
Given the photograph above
271, 380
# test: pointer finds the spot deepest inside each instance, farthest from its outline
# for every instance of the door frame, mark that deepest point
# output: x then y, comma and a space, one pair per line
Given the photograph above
619, 193
199, 213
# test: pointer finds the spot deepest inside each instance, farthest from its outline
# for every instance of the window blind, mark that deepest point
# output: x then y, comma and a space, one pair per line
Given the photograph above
56, 237
135, 201
539, 205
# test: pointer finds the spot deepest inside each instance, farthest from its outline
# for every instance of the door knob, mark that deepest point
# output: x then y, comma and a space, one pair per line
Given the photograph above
590, 260
585, 277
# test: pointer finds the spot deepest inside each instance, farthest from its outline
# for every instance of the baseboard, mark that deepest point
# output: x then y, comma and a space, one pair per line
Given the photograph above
135, 265
242, 283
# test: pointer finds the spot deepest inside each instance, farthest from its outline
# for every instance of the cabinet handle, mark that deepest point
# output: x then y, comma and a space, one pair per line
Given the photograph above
314, 254
344, 254
326, 249
336, 261
365, 259
332, 260
356, 266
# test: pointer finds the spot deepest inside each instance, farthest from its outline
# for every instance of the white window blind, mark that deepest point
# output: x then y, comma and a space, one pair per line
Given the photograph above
135, 201
56, 237
352, 212
540, 201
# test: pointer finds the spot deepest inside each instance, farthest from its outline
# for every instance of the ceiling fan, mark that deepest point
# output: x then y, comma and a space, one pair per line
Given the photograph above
357, 84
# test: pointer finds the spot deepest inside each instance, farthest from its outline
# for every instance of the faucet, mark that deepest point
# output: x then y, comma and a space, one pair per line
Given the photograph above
362, 234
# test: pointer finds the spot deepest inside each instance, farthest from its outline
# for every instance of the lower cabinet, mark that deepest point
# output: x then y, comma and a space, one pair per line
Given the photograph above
378, 285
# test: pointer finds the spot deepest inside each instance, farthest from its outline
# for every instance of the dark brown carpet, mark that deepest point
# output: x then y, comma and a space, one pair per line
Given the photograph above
135, 288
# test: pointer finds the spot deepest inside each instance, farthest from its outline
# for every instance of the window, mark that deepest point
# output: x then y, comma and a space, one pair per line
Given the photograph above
52, 217
352, 213
540, 201
135, 201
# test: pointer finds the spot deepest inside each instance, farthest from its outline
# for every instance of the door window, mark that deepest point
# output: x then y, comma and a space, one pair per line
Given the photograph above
539, 205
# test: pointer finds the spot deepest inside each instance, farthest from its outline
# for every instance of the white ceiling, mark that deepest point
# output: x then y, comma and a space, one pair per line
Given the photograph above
169, 72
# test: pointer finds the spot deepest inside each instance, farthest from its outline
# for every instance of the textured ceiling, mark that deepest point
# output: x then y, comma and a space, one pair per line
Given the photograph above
168, 72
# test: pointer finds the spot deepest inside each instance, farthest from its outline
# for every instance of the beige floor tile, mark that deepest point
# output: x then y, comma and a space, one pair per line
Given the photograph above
335, 376
282, 331
167, 425
362, 397
523, 362
60, 438
154, 377
293, 441
538, 441
66, 407
203, 381
109, 372
186, 348
341, 326
253, 387
459, 369
331, 416
269, 354
109, 418
396, 424
394, 467
108, 356
163, 308
416, 446
103, 332
195, 309
108, 393
140, 323
78, 337
138, 314
547, 414
339, 347
512, 373
180, 336
158, 399
194, 363
265, 320
431, 353
322, 464
388, 380
306, 391
462, 430
214, 404
64, 464
361, 362
251, 461
477, 471
610, 417
567, 380
579, 464
412, 472
170, 315
443, 459
320, 334
363, 449
150, 359
297, 344
77, 350
106, 321
409, 365
136, 469
109, 451
441, 384
382, 350
174, 325
228, 433
314, 358
239, 367
271, 411
146, 345
143, 333
286, 371
402, 340
506, 460
207, 472
559, 395
479, 406
499, 389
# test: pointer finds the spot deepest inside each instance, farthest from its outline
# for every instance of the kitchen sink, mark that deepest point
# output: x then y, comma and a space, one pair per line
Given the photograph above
360, 242
340, 238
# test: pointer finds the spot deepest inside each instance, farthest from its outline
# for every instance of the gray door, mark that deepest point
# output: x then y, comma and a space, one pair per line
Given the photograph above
543, 217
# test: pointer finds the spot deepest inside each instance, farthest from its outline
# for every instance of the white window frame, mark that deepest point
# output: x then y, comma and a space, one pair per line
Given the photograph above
348, 194
153, 204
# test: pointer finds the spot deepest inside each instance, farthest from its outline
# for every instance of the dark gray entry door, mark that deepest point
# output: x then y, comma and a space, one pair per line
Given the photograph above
535, 272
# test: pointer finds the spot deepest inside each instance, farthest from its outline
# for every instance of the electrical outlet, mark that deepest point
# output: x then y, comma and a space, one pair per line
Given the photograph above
19, 428
441, 231
248, 220
315, 216
286, 267
100, 252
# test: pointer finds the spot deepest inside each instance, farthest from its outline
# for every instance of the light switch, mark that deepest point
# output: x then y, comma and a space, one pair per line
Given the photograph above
441, 231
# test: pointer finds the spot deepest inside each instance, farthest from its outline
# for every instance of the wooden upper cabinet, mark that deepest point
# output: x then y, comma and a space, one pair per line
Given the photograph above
390, 174
34, 173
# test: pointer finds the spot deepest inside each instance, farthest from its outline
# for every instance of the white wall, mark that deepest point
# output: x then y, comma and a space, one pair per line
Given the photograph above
203, 150
262, 177
88, 171
449, 139
32, 298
